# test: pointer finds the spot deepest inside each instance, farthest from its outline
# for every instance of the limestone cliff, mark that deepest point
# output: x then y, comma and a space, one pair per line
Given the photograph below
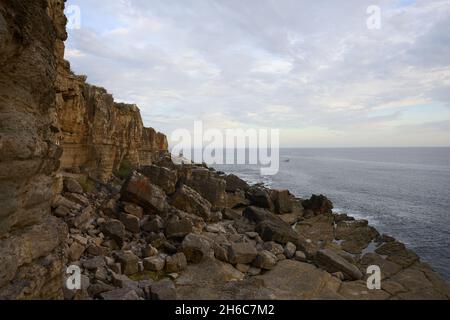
50, 118
98, 134
30, 238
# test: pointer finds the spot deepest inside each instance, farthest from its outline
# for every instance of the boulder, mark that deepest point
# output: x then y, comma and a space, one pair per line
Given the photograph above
129, 262
260, 197
164, 178
236, 199
282, 200
94, 263
209, 185
333, 262
176, 263
265, 260
75, 251
115, 230
196, 248
318, 204
289, 250
234, 183
163, 290
149, 251
131, 223
188, 200
153, 225
300, 256
178, 228
277, 230
155, 263
71, 185
139, 190
242, 253
135, 210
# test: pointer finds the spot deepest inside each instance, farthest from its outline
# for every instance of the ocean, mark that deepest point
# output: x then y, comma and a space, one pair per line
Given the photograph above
403, 192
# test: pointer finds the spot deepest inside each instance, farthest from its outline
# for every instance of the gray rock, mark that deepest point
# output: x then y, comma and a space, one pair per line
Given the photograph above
72, 186
235, 183
163, 290
243, 253
133, 209
94, 263
131, 222
265, 260
289, 250
333, 262
189, 200
128, 260
163, 177
177, 228
176, 263
115, 230
155, 263
149, 251
300, 256
196, 247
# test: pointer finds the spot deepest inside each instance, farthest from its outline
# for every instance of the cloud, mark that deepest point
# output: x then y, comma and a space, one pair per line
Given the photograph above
307, 67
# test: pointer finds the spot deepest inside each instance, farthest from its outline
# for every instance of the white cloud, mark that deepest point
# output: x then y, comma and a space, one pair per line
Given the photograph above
312, 68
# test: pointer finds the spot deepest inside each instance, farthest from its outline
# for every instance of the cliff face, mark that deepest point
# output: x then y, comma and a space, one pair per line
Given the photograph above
50, 118
30, 238
99, 134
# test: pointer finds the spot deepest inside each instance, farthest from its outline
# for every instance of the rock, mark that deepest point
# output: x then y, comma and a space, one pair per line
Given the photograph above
231, 214
129, 262
243, 253
76, 250
155, 263
300, 256
273, 247
188, 200
163, 290
133, 209
162, 177
96, 289
84, 218
94, 263
396, 252
282, 200
196, 248
265, 260
61, 212
318, 204
333, 262
131, 223
236, 199
78, 199
72, 186
115, 230
234, 183
278, 231
177, 228
317, 228
209, 185
244, 268
289, 250
120, 295
153, 225
110, 208
149, 251
216, 217
139, 190
356, 235
260, 198
176, 263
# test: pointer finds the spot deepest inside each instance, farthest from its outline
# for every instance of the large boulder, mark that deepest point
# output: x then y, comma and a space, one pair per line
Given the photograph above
115, 230
260, 197
188, 200
318, 204
242, 253
333, 262
282, 200
139, 190
129, 262
196, 247
165, 178
270, 227
234, 183
209, 185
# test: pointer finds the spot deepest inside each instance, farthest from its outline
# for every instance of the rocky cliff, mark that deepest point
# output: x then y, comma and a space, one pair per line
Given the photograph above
50, 118
168, 230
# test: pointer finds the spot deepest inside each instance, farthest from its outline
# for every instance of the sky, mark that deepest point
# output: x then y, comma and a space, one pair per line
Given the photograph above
313, 69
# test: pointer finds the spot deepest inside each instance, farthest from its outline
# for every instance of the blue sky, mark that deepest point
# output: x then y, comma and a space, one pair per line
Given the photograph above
310, 68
